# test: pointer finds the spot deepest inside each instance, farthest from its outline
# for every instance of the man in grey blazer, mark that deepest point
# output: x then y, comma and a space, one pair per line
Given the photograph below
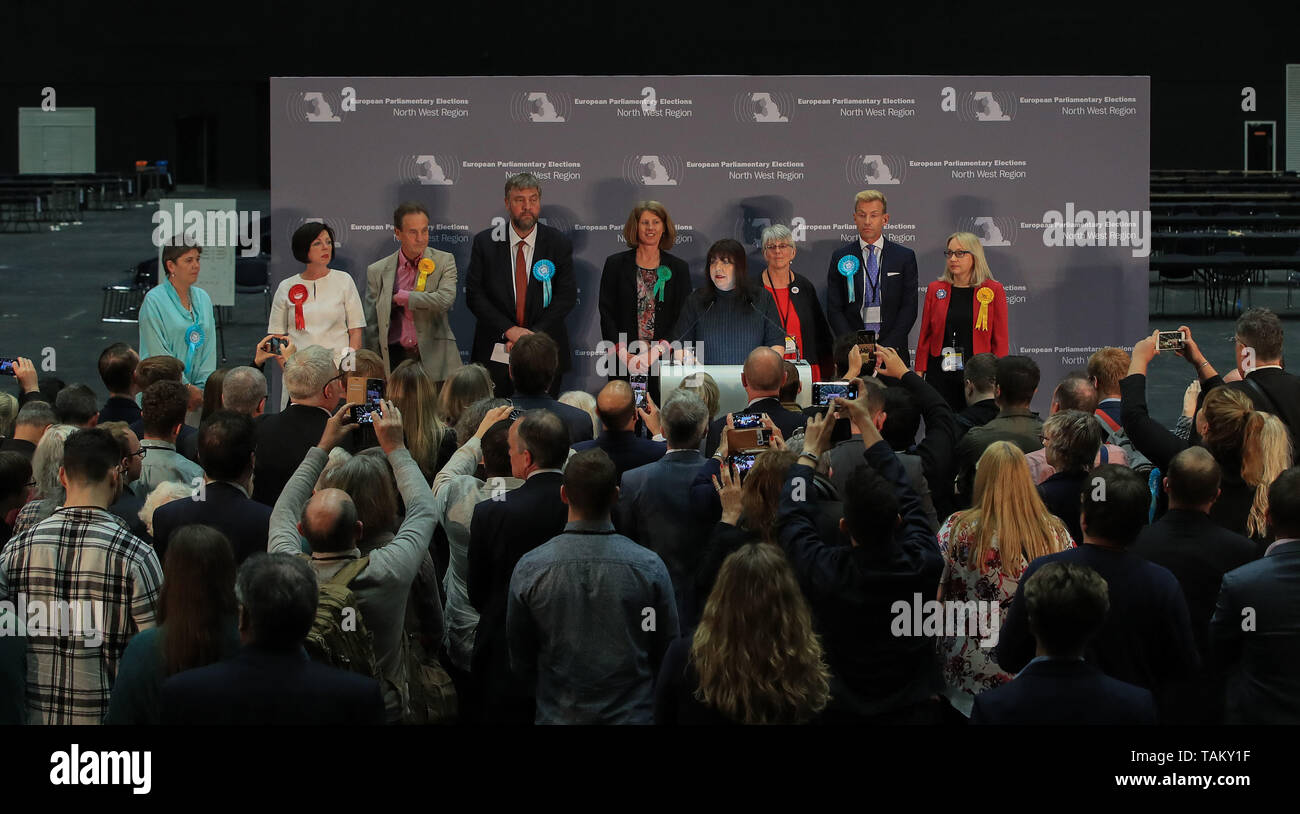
407, 302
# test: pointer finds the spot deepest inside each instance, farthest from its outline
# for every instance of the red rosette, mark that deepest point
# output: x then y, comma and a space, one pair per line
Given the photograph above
298, 296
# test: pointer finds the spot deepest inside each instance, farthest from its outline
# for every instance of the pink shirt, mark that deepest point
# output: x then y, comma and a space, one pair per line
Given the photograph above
401, 323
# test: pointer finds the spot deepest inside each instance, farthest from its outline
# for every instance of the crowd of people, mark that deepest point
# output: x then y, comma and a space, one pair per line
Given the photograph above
480, 548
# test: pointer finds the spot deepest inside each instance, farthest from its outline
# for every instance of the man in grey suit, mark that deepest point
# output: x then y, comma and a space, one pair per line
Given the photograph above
654, 507
408, 296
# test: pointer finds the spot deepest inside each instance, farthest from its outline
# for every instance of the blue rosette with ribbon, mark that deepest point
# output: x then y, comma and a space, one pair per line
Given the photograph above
848, 266
661, 285
543, 271
193, 341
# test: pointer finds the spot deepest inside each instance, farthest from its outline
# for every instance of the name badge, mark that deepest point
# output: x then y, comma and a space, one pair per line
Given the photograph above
873, 315
952, 360
791, 348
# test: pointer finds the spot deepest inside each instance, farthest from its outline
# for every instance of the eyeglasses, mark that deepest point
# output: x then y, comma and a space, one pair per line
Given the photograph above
778, 247
331, 381
141, 453
959, 253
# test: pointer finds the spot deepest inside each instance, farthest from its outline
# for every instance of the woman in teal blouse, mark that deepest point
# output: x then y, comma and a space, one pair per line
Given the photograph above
197, 624
176, 318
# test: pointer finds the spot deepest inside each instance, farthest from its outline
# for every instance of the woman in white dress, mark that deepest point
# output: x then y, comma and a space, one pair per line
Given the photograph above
320, 305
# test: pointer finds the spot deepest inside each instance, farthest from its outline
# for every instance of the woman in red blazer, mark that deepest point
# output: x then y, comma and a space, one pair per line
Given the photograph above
976, 322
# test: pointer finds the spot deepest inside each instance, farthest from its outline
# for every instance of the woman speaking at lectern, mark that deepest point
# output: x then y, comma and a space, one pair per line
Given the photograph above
965, 313
729, 315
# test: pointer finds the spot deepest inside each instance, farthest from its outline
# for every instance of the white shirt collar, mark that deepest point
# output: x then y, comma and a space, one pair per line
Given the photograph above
515, 239
540, 471
1266, 367
879, 244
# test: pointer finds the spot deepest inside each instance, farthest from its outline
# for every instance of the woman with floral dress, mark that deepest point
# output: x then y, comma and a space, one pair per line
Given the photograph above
986, 549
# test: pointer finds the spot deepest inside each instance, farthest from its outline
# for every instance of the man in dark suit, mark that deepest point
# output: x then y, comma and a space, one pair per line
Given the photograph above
883, 278
272, 680
616, 405
505, 287
1198, 552
654, 505
501, 532
533, 362
226, 444
315, 387
1067, 605
1147, 637
117, 365
1259, 360
892, 557
762, 378
1255, 631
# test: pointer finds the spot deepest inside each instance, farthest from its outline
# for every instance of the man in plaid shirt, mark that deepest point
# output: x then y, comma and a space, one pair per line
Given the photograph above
83, 584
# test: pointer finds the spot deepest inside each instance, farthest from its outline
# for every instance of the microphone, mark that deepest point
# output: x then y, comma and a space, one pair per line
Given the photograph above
784, 333
694, 322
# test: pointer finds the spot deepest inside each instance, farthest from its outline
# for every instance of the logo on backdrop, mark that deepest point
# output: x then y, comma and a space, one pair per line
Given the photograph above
654, 170
339, 226
314, 106
988, 106
750, 230
430, 170
875, 169
990, 230
763, 106
541, 106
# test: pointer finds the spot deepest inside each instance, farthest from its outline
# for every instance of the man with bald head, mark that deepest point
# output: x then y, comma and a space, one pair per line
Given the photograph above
762, 379
1199, 552
328, 521
616, 405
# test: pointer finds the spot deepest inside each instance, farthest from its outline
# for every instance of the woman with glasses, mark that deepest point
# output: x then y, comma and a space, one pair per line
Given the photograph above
807, 333
320, 305
642, 291
965, 313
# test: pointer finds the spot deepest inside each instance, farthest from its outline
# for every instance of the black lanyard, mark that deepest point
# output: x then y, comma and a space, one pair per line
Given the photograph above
789, 299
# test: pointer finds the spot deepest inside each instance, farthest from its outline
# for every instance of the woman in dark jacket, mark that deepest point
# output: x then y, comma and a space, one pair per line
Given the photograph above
797, 305
642, 291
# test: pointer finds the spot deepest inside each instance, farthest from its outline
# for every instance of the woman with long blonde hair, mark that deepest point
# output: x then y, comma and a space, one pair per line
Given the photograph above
414, 393
754, 659
986, 550
1266, 453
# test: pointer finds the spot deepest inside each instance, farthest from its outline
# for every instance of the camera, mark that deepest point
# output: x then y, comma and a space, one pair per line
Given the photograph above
823, 393
7, 366
640, 391
743, 462
867, 349
365, 413
1170, 340
744, 421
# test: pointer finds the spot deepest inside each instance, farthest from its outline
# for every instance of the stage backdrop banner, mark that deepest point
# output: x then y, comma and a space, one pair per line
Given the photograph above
1050, 172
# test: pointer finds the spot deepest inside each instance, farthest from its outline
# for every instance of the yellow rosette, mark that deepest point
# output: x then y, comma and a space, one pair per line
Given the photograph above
985, 296
426, 268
